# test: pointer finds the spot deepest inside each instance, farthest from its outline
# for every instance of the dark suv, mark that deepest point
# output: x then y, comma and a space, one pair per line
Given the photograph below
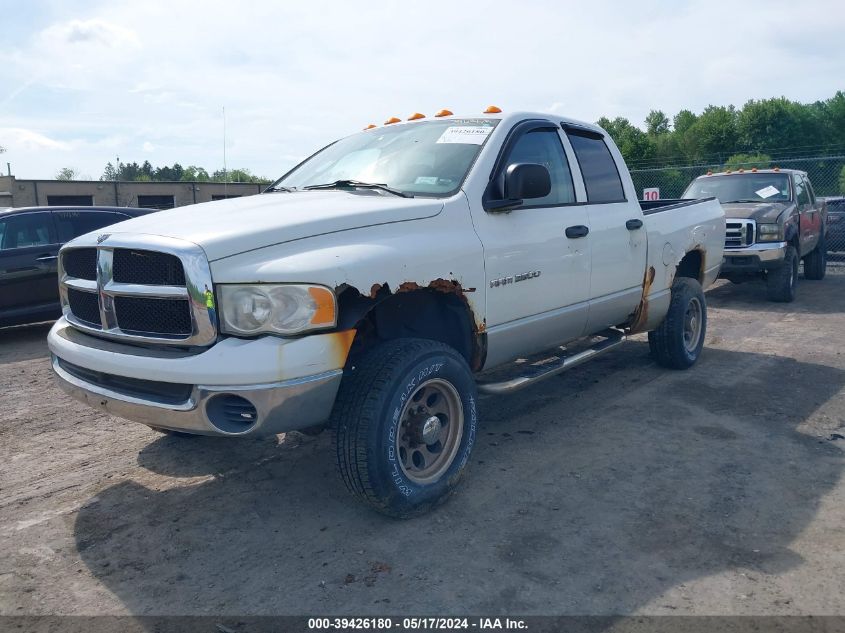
30, 238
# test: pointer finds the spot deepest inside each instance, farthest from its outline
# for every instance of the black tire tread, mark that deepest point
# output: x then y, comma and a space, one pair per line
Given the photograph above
815, 264
777, 280
667, 349
359, 398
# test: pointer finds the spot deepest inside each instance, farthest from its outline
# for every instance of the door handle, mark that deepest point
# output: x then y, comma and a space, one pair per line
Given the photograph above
579, 230
46, 258
633, 225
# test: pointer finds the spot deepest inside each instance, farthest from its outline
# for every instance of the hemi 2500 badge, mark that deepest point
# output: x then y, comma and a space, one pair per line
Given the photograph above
504, 281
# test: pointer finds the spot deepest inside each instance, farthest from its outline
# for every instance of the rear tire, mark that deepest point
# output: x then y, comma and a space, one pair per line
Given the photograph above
404, 424
677, 342
815, 264
780, 282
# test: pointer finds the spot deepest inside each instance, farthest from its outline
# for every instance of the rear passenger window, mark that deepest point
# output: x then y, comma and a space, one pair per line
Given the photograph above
801, 194
810, 191
27, 229
71, 224
601, 178
543, 147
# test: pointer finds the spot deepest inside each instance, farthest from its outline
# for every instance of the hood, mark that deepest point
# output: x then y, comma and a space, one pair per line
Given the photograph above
229, 227
766, 212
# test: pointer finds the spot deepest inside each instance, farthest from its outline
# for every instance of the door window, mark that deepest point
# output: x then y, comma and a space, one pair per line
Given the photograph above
601, 178
27, 229
71, 224
543, 147
810, 192
801, 194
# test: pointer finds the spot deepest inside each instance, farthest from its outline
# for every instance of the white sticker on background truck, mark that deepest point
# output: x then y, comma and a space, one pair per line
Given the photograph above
468, 134
767, 192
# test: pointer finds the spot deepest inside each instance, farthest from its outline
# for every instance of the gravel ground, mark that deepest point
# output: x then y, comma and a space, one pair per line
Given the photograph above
618, 488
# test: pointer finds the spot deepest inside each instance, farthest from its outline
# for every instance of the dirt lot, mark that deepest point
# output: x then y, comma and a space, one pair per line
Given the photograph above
618, 488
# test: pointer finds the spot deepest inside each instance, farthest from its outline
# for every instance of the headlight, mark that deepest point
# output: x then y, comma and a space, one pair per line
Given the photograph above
247, 309
769, 233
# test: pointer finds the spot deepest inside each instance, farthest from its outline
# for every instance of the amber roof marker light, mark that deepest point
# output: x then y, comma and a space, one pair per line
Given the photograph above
416, 116
393, 119
444, 112
370, 127
492, 110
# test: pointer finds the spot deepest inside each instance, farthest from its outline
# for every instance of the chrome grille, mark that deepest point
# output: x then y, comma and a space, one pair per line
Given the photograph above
84, 305
142, 288
162, 316
147, 267
740, 233
81, 263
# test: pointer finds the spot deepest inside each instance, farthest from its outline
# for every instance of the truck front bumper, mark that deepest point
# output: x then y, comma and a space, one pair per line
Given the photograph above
753, 259
185, 394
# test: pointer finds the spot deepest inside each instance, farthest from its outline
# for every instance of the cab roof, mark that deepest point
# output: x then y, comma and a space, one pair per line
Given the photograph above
753, 170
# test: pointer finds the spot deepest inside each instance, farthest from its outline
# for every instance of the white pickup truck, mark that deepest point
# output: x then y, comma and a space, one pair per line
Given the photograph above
373, 287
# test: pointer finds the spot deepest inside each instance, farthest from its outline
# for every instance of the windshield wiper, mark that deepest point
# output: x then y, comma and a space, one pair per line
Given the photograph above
357, 184
745, 200
280, 188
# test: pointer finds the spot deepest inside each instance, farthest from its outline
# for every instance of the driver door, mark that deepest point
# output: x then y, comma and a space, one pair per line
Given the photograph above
537, 255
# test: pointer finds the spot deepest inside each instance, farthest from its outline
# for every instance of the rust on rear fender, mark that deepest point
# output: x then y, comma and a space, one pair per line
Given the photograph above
641, 315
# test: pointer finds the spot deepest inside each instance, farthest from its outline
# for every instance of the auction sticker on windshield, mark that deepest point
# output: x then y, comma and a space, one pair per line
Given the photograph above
468, 134
766, 192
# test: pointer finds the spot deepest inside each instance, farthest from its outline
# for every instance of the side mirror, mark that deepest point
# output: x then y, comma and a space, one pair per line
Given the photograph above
527, 180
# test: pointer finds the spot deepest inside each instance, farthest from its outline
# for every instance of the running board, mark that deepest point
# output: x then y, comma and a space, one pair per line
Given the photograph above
534, 373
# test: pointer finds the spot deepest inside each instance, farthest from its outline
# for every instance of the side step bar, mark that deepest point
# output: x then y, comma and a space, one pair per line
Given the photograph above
533, 374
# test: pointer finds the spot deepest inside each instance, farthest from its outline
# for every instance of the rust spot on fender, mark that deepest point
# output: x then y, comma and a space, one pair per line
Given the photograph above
381, 291
339, 345
641, 315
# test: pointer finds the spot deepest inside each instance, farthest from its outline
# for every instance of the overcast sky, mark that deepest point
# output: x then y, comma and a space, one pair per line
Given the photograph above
83, 82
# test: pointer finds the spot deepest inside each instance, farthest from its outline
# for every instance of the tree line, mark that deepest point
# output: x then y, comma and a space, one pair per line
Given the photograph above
145, 172
778, 128
762, 133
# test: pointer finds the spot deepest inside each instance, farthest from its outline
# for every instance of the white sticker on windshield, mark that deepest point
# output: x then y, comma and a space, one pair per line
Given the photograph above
468, 134
426, 180
767, 192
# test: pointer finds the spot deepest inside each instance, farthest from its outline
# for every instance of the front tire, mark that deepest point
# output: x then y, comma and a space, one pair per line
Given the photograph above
678, 341
404, 425
815, 264
780, 282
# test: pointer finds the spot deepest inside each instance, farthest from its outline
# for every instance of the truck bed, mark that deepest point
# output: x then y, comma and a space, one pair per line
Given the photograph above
656, 206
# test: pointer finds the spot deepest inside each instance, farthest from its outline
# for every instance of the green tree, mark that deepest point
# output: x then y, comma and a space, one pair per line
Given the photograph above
713, 135
634, 144
747, 161
237, 175
109, 172
683, 121
779, 124
67, 173
192, 173
842, 181
656, 123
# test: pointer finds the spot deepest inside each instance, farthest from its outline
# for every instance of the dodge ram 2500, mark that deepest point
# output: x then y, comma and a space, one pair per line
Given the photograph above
373, 288
774, 221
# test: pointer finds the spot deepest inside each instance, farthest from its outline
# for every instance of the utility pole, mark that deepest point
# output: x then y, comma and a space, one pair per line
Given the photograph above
225, 172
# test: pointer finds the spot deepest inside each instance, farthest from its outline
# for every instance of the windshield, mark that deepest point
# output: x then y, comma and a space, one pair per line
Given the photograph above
748, 187
425, 158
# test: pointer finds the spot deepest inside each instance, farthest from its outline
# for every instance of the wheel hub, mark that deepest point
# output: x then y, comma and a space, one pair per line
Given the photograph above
431, 426
430, 429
